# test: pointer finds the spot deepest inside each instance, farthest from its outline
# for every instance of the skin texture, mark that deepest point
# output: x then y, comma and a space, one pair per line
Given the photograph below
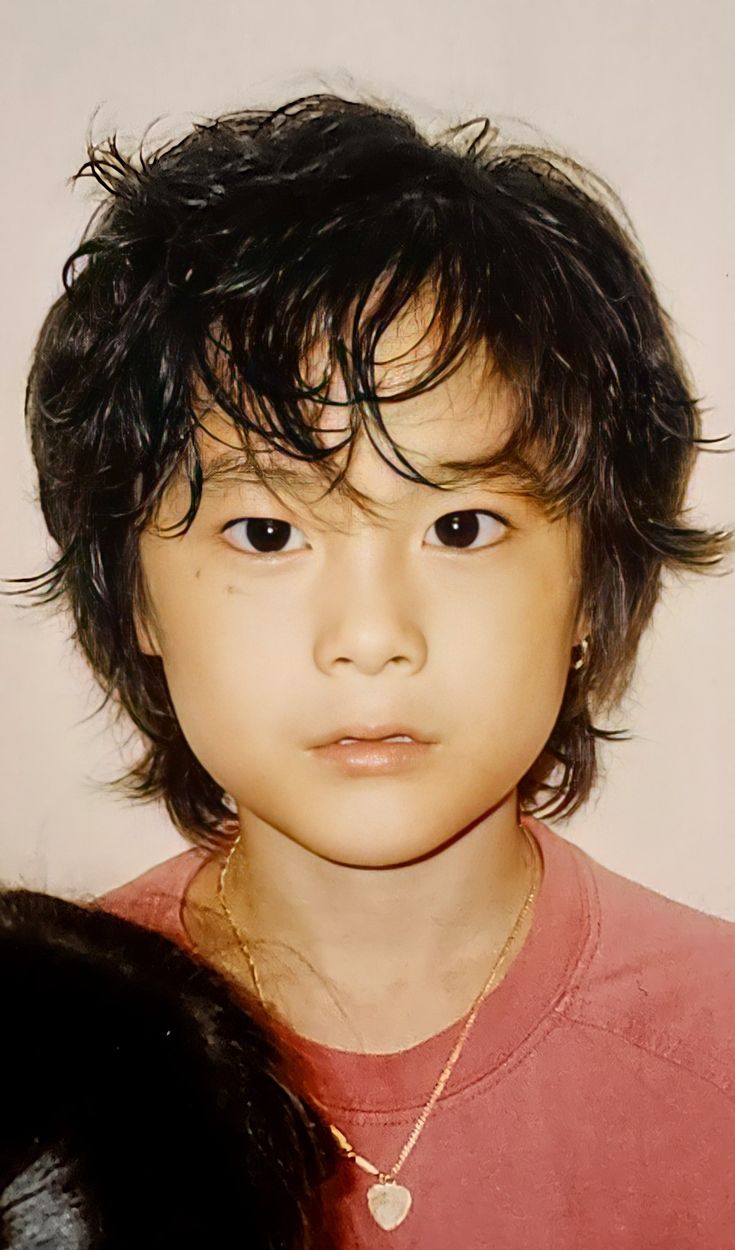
356, 891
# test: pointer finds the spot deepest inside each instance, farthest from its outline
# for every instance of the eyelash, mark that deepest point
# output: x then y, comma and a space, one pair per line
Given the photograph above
460, 512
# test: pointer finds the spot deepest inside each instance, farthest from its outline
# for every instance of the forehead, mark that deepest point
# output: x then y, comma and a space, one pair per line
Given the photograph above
442, 432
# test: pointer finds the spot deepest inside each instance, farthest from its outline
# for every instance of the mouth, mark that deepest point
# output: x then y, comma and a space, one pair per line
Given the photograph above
377, 733
376, 751
388, 738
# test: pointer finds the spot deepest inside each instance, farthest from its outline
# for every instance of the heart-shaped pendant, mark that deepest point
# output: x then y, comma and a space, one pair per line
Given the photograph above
389, 1204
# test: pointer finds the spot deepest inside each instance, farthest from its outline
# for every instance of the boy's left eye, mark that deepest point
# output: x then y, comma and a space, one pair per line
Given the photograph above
468, 528
464, 529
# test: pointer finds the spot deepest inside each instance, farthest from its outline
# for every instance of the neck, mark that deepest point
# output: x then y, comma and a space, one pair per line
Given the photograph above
377, 958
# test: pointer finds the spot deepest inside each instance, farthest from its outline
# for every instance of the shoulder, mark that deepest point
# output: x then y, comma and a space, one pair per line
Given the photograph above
154, 899
661, 976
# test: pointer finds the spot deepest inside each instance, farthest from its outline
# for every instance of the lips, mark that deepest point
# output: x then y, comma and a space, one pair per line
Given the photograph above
374, 733
368, 753
391, 738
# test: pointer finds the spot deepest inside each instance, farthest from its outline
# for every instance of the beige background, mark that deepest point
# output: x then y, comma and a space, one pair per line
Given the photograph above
641, 90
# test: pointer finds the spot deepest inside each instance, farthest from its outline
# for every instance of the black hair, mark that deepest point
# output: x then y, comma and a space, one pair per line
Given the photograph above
143, 1106
216, 264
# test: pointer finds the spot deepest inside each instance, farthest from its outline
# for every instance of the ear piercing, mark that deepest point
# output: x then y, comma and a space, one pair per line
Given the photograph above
583, 648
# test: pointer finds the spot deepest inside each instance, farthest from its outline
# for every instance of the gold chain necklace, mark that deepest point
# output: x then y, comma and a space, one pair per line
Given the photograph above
389, 1202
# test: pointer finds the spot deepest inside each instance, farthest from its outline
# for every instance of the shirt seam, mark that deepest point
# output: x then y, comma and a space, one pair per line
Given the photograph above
562, 1008
648, 1050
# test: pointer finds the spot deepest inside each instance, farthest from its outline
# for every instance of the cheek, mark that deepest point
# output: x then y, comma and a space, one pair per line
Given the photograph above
230, 672
519, 622
510, 660
515, 683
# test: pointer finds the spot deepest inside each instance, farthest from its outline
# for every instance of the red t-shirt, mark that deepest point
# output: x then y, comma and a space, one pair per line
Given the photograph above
593, 1106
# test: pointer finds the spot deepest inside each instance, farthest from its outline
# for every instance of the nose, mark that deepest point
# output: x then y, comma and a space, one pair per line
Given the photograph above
369, 619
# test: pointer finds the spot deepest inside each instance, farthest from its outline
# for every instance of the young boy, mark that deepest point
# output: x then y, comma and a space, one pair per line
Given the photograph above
365, 455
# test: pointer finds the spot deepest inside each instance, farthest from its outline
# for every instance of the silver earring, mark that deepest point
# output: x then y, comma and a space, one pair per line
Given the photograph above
584, 647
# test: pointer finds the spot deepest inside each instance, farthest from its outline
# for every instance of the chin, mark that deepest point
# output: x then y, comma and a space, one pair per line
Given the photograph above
365, 851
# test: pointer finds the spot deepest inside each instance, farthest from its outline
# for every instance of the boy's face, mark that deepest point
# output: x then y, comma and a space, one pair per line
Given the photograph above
461, 630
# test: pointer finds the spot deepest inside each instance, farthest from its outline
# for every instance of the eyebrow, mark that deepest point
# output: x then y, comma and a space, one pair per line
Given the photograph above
506, 469
506, 466
237, 466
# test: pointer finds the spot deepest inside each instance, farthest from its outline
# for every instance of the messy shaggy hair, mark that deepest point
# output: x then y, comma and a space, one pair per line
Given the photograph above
217, 264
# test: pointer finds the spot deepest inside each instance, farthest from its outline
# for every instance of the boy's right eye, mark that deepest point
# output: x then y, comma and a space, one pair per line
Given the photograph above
264, 535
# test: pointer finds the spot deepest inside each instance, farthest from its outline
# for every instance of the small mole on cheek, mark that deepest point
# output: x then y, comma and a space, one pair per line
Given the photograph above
198, 574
